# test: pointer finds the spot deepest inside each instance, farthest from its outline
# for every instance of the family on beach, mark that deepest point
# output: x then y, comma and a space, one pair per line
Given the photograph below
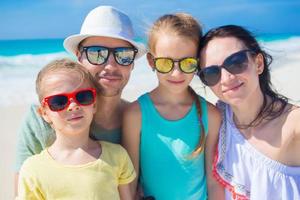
84, 142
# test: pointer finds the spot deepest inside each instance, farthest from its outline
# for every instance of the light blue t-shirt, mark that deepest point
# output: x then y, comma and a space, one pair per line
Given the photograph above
167, 170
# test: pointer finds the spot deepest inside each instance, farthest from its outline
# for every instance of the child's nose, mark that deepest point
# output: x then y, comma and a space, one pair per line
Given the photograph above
73, 105
176, 70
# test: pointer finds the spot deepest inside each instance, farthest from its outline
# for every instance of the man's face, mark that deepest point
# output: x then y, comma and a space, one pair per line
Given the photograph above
111, 76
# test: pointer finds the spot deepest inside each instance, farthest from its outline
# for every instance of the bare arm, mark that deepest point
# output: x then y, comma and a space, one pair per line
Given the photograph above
131, 127
215, 190
125, 192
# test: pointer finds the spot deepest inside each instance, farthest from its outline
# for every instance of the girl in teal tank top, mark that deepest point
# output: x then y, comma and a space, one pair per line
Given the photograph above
165, 131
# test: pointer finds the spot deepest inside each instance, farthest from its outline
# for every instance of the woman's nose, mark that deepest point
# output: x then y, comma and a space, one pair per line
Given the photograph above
226, 76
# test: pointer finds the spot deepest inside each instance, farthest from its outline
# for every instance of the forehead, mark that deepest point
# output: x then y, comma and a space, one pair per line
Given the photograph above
218, 49
174, 46
105, 41
61, 82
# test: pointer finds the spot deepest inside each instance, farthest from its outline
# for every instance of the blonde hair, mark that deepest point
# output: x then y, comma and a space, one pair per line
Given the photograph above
201, 142
180, 24
63, 65
186, 26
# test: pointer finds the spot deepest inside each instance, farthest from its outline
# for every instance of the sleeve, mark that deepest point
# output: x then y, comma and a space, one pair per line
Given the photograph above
33, 136
126, 173
28, 186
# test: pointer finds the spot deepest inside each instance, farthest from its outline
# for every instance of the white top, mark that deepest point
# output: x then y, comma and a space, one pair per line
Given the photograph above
245, 172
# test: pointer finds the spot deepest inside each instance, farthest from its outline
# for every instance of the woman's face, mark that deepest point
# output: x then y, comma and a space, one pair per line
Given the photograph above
233, 88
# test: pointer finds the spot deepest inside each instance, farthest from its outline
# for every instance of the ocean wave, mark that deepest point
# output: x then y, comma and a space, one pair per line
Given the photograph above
291, 44
29, 60
18, 73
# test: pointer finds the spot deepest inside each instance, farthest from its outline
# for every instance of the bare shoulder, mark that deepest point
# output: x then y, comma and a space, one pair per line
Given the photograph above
129, 106
124, 103
213, 112
214, 120
132, 108
293, 121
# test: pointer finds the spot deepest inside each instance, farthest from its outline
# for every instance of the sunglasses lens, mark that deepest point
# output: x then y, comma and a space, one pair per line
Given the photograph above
58, 102
163, 65
236, 63
97, 55
124, 55
189, 65
85, 97
210, 76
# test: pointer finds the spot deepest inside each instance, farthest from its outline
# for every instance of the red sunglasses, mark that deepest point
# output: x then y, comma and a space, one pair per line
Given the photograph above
59, 102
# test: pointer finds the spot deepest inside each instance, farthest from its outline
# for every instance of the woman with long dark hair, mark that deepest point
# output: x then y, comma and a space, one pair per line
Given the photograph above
258, 153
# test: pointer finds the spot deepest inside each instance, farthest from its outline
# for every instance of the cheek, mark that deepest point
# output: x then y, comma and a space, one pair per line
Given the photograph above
53, 117
217, 90
126, 71
190, 76
92, 68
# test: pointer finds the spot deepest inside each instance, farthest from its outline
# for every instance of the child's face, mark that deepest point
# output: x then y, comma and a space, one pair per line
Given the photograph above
75, 118
175, 48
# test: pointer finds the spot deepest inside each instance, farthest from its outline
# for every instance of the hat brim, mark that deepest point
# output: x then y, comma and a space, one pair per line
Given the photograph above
71, 43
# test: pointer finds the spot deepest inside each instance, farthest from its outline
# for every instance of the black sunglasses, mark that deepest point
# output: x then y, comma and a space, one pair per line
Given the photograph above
165, 65
98, 55
235, 64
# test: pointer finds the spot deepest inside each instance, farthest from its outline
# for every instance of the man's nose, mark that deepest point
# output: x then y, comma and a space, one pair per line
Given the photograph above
111, 62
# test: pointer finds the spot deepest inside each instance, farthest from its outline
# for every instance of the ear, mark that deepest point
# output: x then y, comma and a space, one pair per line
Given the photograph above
259, 61
78, 55
42, 112
95, 108
150, 61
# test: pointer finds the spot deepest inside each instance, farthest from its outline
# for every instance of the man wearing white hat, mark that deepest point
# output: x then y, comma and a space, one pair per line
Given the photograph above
105, 46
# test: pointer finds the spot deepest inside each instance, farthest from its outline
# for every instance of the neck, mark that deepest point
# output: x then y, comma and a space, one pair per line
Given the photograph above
166, 96
248, 110
109, 111
72, 142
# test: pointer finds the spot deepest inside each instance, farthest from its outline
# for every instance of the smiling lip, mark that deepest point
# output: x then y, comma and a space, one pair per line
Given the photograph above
175, 82
75, 118
110, 77
234, 88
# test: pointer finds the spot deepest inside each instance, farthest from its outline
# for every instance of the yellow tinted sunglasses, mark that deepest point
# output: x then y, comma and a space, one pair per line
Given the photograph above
186, 65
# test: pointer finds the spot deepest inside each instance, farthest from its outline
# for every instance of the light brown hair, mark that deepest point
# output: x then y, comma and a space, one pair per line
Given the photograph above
186, 26
63, 65
180, 24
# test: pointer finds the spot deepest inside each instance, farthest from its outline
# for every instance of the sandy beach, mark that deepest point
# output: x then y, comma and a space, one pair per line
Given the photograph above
285, 73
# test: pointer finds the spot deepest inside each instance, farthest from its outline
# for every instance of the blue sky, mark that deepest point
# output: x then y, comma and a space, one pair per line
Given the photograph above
27, 19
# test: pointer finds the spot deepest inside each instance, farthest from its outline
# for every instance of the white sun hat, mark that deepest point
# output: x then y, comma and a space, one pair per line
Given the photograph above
105, 21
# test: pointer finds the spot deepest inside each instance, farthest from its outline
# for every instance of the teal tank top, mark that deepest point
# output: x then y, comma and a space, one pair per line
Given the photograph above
167, 170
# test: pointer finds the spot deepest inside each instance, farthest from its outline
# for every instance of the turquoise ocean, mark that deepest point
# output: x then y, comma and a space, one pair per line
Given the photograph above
20, 61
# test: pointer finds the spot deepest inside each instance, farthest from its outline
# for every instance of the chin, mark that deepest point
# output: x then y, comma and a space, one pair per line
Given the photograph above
234, 101
110, 92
